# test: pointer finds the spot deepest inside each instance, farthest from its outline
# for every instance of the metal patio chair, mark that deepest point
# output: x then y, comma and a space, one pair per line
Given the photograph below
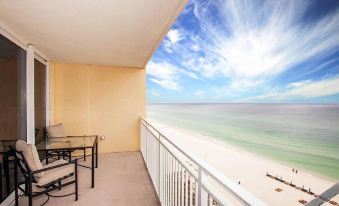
39, 179
57, 131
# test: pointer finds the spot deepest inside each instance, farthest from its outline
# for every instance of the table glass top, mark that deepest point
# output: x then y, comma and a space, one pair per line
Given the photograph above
68, 142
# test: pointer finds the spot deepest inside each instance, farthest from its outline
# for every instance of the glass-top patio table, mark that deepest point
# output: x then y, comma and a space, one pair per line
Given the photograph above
64, 146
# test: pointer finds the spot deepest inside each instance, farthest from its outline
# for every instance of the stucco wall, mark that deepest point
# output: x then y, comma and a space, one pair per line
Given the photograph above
107, 101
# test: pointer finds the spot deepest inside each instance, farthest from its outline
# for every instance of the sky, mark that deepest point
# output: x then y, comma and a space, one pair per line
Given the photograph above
249, 51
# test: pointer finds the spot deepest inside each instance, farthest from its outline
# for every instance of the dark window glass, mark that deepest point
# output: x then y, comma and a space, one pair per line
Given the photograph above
12, 104
39, 99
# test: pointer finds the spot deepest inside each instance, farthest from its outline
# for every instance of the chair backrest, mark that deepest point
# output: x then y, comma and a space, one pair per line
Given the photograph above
28, 157
56, 130
22, 164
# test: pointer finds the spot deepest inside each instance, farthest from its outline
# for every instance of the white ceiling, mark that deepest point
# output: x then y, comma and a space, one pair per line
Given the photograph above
100, 32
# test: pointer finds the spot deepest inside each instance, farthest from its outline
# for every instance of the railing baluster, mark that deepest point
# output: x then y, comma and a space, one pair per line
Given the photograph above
190, 191
160, 173
169, 178
182, 186
186, 188
159, 166
171, 182
175, 183
199, 187
179, 185
166, 178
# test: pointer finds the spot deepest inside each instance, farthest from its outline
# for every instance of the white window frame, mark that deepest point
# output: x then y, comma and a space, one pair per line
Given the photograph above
31, 54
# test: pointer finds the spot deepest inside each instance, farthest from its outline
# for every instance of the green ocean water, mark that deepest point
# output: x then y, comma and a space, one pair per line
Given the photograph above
303, 136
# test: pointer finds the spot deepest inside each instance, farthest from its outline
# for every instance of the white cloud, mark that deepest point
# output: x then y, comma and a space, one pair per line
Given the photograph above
174, 35
153, 93
261, 40
312, 89
199, 93
166, 83
167, 45
189, 74
299, 84
167, 75
195, 47
162, 70
304, 89
243, 84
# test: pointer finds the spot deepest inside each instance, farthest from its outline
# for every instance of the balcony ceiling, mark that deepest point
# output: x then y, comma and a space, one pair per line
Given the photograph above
101, 32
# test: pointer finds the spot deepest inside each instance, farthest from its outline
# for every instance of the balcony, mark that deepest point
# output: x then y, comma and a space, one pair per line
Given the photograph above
160, 174
121, 178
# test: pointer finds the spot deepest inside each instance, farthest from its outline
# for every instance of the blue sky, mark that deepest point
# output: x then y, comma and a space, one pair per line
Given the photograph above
249, 51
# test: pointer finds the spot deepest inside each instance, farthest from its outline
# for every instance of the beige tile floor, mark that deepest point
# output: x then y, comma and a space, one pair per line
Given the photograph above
120, 180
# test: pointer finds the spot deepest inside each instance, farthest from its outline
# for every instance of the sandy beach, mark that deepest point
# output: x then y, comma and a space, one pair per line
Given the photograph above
250, 169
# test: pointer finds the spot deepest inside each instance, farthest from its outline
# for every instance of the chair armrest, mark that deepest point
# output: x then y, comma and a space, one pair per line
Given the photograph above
75, 162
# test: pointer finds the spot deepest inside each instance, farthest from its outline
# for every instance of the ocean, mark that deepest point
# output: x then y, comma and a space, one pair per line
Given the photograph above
300, 135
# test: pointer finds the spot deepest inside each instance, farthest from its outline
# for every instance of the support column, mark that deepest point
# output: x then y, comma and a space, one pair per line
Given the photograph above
30, 94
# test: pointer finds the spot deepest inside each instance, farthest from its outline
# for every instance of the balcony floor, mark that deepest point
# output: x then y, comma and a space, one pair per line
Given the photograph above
121, 179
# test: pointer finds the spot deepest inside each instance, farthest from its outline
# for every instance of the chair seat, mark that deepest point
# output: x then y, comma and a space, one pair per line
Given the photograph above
55, 174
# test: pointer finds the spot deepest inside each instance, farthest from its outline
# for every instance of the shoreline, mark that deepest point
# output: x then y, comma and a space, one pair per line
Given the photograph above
239, 149
244, 162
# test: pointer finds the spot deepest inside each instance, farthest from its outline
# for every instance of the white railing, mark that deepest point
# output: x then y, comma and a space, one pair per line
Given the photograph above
182, 180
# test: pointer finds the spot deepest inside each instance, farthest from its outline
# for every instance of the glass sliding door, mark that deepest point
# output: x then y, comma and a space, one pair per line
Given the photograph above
12, 103
39, 99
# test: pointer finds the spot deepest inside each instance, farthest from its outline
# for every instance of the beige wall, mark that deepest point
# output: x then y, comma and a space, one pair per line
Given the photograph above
107, 101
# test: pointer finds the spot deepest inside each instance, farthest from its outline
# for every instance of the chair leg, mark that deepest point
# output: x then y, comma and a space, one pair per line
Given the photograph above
30, 192
76, 180
26, 187
69, 155
59, 182
47, 160
15, 184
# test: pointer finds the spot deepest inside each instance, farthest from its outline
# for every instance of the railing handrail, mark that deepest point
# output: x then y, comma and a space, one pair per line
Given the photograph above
238, 192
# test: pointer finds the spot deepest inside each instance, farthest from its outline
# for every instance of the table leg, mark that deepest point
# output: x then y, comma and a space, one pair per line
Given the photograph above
96, 155
92, 167
85, 154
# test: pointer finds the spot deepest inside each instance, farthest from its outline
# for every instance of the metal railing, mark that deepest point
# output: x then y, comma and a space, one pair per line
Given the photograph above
183, 180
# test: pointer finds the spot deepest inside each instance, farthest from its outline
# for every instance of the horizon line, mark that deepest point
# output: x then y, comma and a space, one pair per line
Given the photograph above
300, 103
